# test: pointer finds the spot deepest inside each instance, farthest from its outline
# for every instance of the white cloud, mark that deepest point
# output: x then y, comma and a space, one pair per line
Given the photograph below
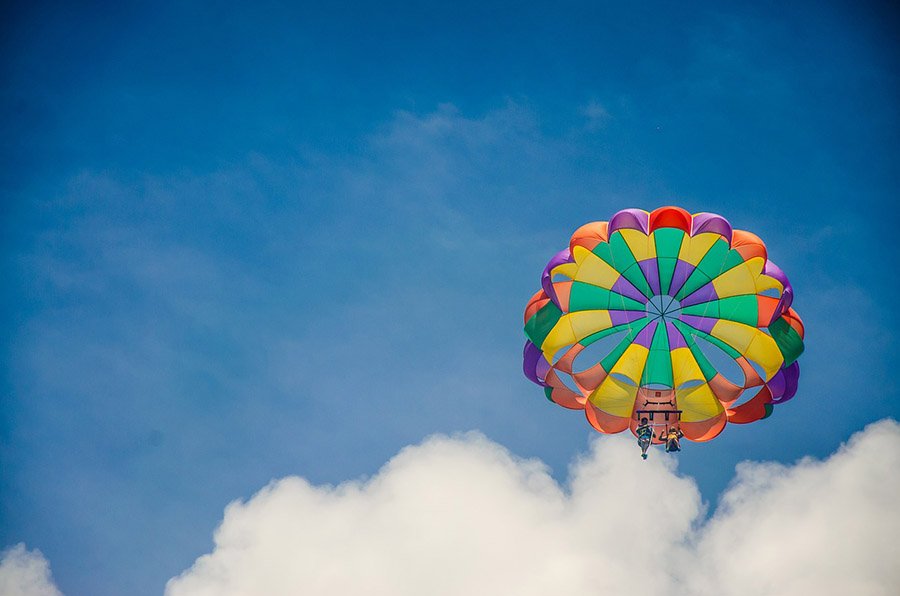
829, 527
462, 515
596, 115
25, 573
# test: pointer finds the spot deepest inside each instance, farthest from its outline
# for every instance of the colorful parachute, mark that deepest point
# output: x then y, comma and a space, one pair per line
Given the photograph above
667, 315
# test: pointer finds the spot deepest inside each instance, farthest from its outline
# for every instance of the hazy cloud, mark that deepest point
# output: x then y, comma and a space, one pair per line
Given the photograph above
595, 114
462, 515
25, 573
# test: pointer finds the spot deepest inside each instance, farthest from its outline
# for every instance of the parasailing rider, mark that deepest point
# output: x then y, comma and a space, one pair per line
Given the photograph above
645, 435
672, 436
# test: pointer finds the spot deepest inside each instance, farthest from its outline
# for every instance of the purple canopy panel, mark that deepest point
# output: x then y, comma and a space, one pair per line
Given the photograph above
531, 354
791, 378
703, 294
563, 256
787, 296
683, 271
704, 324
634, 219
710, 222
620, 317
626, 288
645, 337
776, 385
651, 273
541, 370
676, 340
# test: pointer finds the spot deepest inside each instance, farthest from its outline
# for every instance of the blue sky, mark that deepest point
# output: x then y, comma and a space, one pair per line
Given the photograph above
245, 242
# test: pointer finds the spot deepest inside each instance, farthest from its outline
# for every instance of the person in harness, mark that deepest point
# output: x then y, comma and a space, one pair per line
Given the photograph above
672, 437
644, 434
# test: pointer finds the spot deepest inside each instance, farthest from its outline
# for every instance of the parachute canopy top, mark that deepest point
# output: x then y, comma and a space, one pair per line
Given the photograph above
664, 303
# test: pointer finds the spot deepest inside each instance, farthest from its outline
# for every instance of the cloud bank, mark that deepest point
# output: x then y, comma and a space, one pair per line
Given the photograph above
461, 515
25, 573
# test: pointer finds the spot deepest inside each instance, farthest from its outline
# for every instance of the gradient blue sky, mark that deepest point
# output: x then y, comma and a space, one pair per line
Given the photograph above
242, 241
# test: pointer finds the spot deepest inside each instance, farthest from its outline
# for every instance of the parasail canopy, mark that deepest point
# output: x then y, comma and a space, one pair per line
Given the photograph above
669, 315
